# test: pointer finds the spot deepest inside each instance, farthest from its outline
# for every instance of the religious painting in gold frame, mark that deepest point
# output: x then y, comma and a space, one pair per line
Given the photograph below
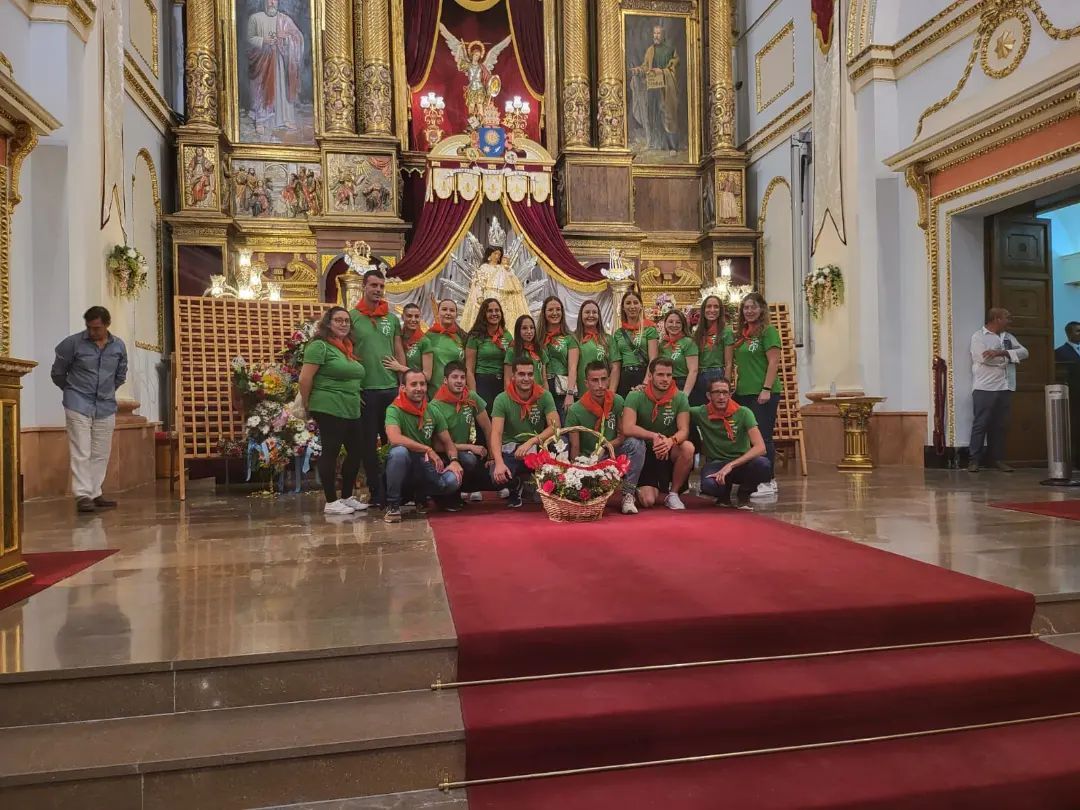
270, 43
662, 87
361, 183
274, 189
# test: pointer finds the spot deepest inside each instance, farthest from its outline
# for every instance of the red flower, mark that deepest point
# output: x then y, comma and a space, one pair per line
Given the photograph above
548, 486
584, 494
534, 461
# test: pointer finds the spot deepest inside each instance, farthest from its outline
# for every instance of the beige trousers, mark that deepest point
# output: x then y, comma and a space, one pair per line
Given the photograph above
90, 444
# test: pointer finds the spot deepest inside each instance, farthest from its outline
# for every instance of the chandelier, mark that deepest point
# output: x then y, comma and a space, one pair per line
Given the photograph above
247, 283
730, 294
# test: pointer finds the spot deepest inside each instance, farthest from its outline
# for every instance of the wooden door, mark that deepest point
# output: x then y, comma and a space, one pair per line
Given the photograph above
1020, 280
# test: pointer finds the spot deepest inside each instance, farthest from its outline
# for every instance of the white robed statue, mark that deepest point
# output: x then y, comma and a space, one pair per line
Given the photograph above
495, 279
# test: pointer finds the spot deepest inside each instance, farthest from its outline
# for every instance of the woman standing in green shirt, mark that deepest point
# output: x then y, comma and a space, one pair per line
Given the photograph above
525, 344
594, 343
636, 343
441, 345
330, 382
563, 354
712, 337
411, 335
678, 347
755, 357
485, 351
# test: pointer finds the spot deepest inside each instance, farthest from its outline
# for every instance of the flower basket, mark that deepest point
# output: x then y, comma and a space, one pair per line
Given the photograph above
824, 290
603, 475
127, 271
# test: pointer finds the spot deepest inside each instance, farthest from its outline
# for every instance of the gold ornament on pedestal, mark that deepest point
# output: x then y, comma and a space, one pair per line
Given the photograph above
351, 282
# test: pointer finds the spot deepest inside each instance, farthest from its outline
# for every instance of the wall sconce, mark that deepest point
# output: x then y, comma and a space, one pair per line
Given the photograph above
516, 116
434, 111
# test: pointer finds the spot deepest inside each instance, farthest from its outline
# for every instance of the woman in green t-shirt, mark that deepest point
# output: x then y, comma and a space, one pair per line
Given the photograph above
485, 351
442, 344
562, 354
525, 344
330, 382
635, 345
678, 347
593, 342
755, 358
712, 336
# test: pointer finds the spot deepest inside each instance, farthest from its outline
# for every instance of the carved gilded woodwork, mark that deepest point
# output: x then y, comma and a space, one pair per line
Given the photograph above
6, 209
201, 78
721, 84
576, 101
610, 93
376, 92
338, 80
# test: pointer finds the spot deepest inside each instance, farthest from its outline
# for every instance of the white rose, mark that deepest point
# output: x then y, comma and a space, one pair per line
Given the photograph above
253, 421
131, 253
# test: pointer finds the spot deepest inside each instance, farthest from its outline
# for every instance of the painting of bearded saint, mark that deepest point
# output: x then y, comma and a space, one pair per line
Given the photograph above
656, 75
275, 74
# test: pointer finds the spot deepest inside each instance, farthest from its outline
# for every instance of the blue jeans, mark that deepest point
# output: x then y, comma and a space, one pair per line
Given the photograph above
403, 467
634, 450
766, 420
747, 476
476, 477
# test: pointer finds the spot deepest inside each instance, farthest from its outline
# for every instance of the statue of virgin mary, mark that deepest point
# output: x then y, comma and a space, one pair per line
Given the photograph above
494, 279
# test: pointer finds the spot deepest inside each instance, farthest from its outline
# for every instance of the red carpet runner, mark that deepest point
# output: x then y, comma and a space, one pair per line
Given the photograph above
531, 597
49, 568
1069, 509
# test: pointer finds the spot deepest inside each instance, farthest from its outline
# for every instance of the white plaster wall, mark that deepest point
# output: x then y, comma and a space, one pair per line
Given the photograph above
969, 312
764, 20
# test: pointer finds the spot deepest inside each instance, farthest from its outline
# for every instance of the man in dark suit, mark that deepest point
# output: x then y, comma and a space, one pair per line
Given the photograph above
1069, 351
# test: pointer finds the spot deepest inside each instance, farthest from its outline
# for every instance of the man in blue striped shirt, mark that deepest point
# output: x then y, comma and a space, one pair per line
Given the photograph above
89, 367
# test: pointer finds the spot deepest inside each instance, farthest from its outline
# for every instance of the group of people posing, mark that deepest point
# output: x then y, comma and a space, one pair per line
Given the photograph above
457, 411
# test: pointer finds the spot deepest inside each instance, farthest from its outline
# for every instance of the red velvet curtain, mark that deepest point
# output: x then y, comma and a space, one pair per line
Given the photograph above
439, 224
527, 19
538, 221
421, 22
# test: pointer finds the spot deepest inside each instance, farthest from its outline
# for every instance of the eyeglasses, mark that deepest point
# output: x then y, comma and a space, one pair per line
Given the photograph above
341, 320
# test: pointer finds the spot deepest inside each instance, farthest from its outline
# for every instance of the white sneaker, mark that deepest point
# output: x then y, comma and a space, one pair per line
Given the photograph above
354, 504
673, 501
628, 505
504, 493
338, 507
767, 490
476, 497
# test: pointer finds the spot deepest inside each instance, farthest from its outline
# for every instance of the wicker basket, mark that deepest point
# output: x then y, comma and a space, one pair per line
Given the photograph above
562, 510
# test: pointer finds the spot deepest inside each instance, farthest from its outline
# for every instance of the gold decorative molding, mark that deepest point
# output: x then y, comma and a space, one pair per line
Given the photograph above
339, 92
760, 142
721, 84
376, 94
201, 78
22, 143
1004, 48
155, 192
82, 11
153, 59
610, 93
138, 85
787, 31
769, 189
576, 100
6, 209
919, 182
5, 63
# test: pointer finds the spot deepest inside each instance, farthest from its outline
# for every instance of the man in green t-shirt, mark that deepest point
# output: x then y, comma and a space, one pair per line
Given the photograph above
522, 419
598, 409
414, 431
465, 412
656, 424
732, 447
376, 336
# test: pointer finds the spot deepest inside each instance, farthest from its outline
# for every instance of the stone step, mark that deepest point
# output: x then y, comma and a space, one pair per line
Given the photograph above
413, 800
256, 756
130, 690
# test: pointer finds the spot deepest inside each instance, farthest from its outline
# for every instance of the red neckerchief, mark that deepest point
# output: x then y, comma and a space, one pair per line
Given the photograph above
444, 395
452, 331
380, 310
592, 335
415, 338
551, 337
531, 349
660, 400
747, 333
645, 324
526, 404
406, 405
601, 410
712, 333
672, 344
723, 416
497, 336
343, 345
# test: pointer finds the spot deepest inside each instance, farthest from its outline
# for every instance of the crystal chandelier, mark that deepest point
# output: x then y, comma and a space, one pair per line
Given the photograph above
247, 284
730, 294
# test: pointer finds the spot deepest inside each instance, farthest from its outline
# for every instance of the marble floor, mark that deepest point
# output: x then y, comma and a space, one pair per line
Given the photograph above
229, 575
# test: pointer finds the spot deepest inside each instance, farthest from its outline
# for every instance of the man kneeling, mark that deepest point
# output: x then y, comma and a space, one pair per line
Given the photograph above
522, 419
413, 428
656, 424
731, 445
464, 410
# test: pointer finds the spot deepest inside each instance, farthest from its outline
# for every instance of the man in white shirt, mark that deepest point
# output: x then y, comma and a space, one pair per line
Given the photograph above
994, 356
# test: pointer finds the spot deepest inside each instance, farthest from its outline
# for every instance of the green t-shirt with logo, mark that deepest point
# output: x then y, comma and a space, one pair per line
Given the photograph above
460, 423
558, 354
578, 416
413, 354
714, 439
443, 348
516, 429
684, 347
632, 345
590, 352
489, 356
712, 355
665, 422
751, 362
338, 382
412, 427
374, 340
538, 363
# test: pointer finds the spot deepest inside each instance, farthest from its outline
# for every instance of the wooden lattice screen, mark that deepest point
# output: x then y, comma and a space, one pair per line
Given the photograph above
789, 424
210, 333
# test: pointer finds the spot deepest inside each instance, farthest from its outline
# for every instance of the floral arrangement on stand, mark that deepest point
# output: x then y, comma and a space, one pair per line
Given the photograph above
824, 289
575, 490
292, 356
127, 271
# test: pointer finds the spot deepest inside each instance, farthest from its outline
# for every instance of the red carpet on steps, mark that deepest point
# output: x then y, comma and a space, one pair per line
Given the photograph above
1069, 509
531, 597
50, 567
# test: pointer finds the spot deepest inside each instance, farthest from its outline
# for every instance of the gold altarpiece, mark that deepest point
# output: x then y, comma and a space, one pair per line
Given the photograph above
671, 196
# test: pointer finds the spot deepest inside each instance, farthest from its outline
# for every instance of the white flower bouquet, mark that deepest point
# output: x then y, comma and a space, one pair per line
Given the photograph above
127, 271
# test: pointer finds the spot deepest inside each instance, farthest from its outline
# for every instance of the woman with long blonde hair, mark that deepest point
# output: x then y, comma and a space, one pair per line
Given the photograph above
593, 340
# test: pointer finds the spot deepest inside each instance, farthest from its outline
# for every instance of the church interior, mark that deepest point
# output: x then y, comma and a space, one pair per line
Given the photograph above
892, 622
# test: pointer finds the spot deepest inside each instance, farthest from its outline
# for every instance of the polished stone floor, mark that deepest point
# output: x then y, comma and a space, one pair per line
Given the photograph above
230, 575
